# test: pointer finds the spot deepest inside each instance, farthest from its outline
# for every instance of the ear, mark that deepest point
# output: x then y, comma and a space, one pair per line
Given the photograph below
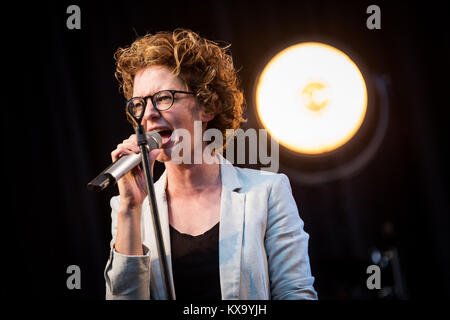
206, 117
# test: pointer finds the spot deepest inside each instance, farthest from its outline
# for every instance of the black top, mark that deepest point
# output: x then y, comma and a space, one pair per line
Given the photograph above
195, 264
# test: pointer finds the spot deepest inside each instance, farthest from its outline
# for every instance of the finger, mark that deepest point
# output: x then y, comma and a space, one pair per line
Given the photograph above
127, 146
131, 147
132, 139
123, 149
132, 143
116, 154
153, 154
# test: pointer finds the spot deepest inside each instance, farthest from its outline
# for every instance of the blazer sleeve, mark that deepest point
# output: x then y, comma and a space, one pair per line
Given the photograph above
127, 277
286, 246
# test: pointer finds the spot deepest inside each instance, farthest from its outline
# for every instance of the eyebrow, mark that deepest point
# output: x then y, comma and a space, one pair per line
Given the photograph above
146, 95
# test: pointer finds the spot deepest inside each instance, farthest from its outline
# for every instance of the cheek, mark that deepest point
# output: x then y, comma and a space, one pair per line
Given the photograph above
186, 118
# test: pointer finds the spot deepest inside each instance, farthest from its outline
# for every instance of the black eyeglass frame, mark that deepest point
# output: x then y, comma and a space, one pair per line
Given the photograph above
172, 92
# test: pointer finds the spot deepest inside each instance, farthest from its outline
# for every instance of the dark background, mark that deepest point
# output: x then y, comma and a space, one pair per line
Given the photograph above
65, 115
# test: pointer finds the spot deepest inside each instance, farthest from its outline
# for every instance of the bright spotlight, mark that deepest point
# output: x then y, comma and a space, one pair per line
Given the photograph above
311, 97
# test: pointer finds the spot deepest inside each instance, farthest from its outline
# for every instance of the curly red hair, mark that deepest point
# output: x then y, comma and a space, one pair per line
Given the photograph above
205, 67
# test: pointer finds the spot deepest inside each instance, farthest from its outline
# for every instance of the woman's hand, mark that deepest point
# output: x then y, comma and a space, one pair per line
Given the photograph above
132, 186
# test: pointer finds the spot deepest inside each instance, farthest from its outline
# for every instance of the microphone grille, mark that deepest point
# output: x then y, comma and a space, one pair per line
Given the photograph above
154, 140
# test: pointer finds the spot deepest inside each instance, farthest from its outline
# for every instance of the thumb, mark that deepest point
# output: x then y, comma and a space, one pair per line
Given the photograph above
153, 154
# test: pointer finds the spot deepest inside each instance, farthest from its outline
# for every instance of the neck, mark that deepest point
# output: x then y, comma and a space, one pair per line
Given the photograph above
192, 178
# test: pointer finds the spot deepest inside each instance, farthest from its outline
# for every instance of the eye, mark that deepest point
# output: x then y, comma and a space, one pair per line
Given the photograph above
163, 97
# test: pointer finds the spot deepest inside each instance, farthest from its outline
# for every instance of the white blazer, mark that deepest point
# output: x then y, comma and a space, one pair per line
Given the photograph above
263, 249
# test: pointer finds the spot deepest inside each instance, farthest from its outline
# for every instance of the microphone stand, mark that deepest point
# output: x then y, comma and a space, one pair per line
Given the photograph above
142, 142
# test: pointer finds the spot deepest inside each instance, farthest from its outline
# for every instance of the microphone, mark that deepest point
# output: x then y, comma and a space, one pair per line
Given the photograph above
121, 166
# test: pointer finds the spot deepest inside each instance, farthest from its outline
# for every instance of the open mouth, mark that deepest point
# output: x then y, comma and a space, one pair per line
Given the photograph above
165, 134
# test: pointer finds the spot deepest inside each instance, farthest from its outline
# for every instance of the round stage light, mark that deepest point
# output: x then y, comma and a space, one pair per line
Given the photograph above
311, 97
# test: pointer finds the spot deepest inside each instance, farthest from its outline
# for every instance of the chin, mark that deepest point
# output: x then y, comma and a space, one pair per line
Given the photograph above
164, 156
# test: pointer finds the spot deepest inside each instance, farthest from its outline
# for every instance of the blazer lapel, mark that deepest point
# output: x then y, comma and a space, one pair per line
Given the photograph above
232, 210
232, 213
156, 283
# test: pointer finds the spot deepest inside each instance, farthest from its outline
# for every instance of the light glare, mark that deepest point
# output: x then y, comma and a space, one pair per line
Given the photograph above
311, 97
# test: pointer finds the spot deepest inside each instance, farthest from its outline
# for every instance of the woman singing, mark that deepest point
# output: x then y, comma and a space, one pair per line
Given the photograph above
229, 233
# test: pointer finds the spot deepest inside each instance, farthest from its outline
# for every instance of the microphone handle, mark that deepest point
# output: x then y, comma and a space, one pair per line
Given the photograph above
114, 171
121, 166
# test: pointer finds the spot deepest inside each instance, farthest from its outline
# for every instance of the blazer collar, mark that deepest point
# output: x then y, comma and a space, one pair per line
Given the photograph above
230, 179
231, 230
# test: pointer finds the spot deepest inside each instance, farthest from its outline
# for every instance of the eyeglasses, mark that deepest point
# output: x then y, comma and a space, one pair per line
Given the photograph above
161, 100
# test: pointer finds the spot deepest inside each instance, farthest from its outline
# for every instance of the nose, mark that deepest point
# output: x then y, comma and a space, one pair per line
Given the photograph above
151, 113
